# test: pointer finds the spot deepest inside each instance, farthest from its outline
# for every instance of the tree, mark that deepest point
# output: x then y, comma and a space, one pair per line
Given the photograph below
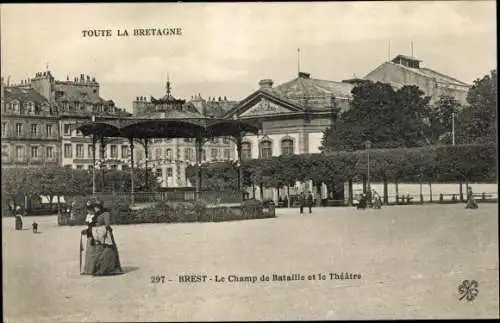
477, 123
386, 117
441, 119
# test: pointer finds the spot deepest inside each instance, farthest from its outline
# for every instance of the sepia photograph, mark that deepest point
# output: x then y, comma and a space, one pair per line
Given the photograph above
177, 162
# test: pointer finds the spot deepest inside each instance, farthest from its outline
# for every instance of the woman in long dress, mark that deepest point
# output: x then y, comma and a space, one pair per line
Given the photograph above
106, 252
19, 218
471, 202
87, 243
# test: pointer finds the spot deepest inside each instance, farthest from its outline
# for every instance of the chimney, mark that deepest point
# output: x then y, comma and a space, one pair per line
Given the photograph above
266, 84
304, 75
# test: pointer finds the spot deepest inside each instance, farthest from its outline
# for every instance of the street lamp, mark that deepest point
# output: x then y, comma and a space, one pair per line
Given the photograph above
368, 145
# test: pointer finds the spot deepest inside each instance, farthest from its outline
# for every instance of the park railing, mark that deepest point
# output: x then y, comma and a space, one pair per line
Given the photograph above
210, 197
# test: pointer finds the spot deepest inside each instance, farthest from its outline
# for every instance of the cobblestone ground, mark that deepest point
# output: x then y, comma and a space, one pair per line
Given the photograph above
411, 260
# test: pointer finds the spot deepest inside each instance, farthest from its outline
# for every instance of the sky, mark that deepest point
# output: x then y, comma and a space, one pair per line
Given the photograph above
226, 48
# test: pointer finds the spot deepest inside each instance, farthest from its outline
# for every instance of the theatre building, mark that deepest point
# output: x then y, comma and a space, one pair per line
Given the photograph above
405, 70
294, 115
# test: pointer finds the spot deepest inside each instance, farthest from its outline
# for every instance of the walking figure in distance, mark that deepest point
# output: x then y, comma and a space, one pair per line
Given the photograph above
471, 202
302, 202
310, 201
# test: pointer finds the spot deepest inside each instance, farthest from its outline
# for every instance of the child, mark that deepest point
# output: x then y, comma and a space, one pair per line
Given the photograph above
35, 227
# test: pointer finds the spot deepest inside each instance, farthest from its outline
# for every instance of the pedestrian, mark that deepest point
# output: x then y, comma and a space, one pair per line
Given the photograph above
302, 202
19, 218
310, 201
471, 202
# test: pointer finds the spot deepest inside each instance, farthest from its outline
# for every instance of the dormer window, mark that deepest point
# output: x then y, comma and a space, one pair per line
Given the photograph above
31, 107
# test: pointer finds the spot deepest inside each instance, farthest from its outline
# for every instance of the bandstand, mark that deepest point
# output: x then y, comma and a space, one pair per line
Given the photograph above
173, 125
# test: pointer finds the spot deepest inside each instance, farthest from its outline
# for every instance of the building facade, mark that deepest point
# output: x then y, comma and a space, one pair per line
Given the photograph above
30, 128
404, 70
169, 158
294, 115
37, 115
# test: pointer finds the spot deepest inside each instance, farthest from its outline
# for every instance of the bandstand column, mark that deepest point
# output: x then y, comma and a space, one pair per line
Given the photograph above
198, 152
102, 148
131, 140
239, 144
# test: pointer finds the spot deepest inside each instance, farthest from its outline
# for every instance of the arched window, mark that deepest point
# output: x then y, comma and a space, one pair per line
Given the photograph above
168, 153
246, 151
287, 146
266, 149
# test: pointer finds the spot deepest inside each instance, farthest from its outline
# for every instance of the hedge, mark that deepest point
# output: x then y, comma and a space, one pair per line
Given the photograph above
175, 212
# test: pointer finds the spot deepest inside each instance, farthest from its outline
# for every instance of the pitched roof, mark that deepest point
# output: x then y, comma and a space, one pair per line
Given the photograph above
23, 95
318, 93
441, 77
424, 72
213, 108
77, 93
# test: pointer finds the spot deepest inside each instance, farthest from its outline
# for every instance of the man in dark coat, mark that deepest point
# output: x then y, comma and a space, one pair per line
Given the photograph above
310, 201
302, 202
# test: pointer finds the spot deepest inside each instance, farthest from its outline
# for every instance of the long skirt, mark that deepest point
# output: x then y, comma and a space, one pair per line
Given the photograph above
87, 256
19, 223
107, 261
471, 204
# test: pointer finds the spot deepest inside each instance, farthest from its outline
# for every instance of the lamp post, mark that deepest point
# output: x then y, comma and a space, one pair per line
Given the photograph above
368, 146
453, 128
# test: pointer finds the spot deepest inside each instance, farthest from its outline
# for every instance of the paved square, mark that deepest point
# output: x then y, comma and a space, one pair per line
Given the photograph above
411, 260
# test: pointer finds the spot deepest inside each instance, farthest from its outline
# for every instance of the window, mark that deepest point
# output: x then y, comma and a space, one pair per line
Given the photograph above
68, 152
213, 153
5, 151
226, 154
79, 151
34, 130
125, 151
203, 155
19, 153
159, 173
31, 107
4, 128
114, 151
15, 106
139, 156
157, 153
79, 166
188, 153
188, 139
49, 152
168, 153
34, 151
266, 149
246, 151
49, 130
170, 172
90, 151
67, 129
225, 140
19, 129
287, 147
113, 166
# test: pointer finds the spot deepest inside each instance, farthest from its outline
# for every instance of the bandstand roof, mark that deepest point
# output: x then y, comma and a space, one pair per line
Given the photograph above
175, 126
